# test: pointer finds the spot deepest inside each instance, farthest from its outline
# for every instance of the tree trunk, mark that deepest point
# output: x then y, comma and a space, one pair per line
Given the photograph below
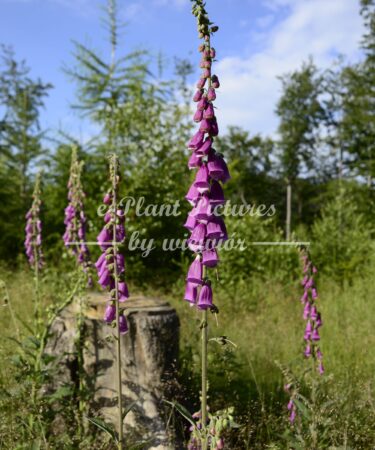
288, 210
149, 364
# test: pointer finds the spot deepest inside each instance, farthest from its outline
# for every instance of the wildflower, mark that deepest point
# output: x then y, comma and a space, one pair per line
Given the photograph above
110, 265
205, 297
310, 312
33, 229
75, 219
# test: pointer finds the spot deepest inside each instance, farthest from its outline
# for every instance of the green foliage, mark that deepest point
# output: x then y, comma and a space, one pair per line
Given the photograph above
300, 113
341, 242
21, 146
255, 257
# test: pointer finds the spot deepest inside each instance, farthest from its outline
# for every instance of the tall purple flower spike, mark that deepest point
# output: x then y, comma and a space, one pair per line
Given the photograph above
108, 267
75, 219
33, 230
206, 192
310, 311
313, 322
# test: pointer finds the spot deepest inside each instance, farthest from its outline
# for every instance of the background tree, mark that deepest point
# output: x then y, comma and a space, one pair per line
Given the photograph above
141, 117
300, 113
358, 122
21, 142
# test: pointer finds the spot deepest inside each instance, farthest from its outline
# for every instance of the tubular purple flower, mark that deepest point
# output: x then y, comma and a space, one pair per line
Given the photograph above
315, 335
203, 210
209, 112
205, 148
197, 238
198, 116
201, 82
202, 104
123, 324
308, 329
191, 293
210, 257
190, 223
196, 141
307, 311
314, 313
205, 297
107, 199
123, 291
104, 239
307, 352
216, 229
198, 95
217, 168
193, 195
211, 94
194, 161
216, 194
202, 180
205, 126
215, 82
194, 275
110, 313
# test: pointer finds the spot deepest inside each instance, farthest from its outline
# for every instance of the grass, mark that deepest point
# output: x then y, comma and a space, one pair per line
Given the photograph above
264, 320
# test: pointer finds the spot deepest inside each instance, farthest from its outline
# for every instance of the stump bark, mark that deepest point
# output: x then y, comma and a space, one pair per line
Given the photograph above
149, 363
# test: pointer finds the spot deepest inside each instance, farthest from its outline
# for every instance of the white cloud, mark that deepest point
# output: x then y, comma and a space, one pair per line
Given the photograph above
320, 28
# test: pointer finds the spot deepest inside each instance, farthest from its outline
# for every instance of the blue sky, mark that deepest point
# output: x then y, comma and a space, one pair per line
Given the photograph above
257, 41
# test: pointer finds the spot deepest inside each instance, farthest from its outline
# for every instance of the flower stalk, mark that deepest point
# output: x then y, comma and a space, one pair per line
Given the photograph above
313, 320
33, 244
75, 240
111, 273
207, 228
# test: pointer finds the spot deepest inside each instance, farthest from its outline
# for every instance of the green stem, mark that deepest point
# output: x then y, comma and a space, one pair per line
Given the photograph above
36, 288
81, 387
204, 328
118, 335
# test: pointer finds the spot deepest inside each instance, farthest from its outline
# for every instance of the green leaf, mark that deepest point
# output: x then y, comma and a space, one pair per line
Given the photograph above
182, 410
104, 427
128, 409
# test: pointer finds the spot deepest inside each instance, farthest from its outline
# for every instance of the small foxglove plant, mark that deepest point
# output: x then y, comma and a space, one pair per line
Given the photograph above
75, 219
311, 314
111, 272
75, 240
313, 320
207, 228
33, 229
33, 243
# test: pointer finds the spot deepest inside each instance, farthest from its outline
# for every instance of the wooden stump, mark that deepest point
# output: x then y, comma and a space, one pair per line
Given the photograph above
149, 359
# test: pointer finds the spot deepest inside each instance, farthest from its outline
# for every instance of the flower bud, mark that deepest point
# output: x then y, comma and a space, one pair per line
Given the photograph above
198, 95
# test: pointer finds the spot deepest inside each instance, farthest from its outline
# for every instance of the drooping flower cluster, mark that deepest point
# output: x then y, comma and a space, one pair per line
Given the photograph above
111, 264
33, 229
206, 193
75, 219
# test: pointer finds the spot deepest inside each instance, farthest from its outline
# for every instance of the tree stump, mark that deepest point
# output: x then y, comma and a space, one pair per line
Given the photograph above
149, 359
